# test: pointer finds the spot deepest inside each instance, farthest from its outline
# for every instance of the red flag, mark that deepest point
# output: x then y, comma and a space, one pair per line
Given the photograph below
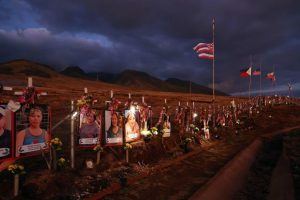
205, 50
271, 76
245, 72
256, 72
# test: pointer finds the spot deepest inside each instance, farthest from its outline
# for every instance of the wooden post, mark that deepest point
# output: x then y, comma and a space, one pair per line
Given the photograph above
72, 138
127, 156
16, 184
54, 160
98, 157
85, 90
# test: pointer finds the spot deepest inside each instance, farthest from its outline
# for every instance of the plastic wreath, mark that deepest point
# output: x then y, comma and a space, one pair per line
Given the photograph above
16, 169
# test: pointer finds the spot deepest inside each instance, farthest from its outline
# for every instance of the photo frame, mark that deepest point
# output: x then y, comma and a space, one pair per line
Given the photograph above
166, 126
132, 127
90, 128
113, 128
6, 133
32, 130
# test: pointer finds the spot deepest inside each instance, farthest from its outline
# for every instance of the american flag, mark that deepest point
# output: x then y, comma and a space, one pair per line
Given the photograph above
205, 50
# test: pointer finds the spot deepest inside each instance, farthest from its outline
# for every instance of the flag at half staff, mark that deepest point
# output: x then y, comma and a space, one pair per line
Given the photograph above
205, 50
245, 72
256, 72
271, 76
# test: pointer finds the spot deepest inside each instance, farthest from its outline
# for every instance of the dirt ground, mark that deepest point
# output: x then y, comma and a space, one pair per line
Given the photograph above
158, 173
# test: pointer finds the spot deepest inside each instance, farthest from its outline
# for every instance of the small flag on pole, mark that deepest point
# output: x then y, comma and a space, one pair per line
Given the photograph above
271, 76
205, 50
245, 72
290, 87
256, 72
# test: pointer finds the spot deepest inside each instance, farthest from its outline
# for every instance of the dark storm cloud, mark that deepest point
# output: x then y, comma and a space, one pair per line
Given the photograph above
157, 37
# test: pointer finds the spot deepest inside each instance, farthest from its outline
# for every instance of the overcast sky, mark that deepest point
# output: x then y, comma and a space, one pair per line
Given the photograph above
158, 37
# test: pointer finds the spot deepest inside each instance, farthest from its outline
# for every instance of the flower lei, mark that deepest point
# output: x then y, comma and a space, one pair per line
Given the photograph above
28, 96
161, 115
84, 103
114, 104
179, 115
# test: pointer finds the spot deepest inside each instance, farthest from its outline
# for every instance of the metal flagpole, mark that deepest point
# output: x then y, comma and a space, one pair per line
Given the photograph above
250, 77
213, 73
260, 79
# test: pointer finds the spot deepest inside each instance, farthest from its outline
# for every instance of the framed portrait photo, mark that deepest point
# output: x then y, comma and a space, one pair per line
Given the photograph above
132, 128
89, 133
32, 129
166, 126
113, 128
6, 133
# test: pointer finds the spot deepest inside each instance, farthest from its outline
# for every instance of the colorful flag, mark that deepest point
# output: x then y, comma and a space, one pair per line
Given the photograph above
271, 76
245, 72
205, 50
256, 72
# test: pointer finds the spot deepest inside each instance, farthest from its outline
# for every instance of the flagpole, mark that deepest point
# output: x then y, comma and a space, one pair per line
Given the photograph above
273, 81
260, 79
250, 77
213, 74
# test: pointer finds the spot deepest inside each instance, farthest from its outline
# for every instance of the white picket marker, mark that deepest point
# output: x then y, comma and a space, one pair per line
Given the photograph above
29, 81
111, 94
72, 138
85, 90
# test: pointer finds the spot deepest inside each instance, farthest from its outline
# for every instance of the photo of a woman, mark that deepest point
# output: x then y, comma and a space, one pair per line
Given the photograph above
32, 138
5, 136
113, 127
89, 133
132, 129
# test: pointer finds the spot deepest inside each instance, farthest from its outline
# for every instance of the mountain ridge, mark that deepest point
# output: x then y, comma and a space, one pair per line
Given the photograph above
128, 78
